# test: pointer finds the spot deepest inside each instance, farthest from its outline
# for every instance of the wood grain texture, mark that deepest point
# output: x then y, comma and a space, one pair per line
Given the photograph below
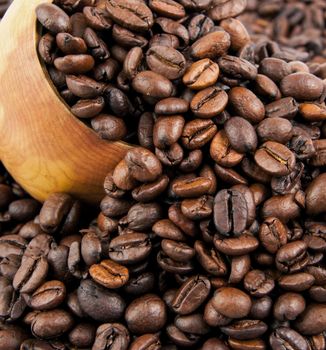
43, 146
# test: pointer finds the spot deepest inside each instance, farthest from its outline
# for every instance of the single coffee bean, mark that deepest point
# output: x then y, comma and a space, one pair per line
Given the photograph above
143, 164
191, 295
152, 84
209, 102
272, 234
130, 248
109, 274
201, 74
312, 320
97, 18
289, 306
245, 329
274, 68
111, 335
246, 104
231, 302
122, 177
264, 86
237, 68
275, 129
191, 188
166, 61
211, 45
257, 283
167, 8
53, 18
100, 303
315, 195
226, 9
146, 314
296, 282
51, 324
241, 134
197, 133
167, 130
109, 127
197, 209
244, 244
177, 251
84, 87
302, 86
292, 257
275, 158
48, 296
149, 191
237, 31
146, 341
285, 107
290, 209
222, 152
287, 335
131, 14
171, 106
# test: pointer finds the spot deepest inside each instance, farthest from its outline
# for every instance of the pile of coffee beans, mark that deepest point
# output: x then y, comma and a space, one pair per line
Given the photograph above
293, 24
212, 232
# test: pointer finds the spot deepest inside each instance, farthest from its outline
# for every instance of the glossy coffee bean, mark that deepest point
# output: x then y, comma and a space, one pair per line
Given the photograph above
53, 18
48, 296
146, 314
109, 274
201, 74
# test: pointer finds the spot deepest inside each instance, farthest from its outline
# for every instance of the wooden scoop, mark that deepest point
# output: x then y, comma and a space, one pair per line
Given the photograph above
42, 144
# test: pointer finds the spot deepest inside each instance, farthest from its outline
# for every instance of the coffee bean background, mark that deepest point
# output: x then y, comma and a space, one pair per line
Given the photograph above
211, 233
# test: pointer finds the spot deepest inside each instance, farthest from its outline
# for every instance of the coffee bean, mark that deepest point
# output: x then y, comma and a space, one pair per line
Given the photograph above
246, 104
237, 31
146, 314
131, 14
197, 133
289, 306
166, 61
302, 86
48, 296
211, 45
191, 295
296, 282
109, 127
245, 329
272, 234
114, 335
201, 74
146, 341
99, 303
226, 9
292, 257
167, 130
315, 195
243, 244
231, 302
209, 102
288, 335
230, 212
53, 18
109, 274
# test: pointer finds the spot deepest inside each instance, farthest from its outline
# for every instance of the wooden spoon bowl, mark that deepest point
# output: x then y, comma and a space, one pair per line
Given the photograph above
42, 144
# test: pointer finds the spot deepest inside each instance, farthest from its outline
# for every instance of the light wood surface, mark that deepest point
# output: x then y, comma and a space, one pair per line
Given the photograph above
43, 146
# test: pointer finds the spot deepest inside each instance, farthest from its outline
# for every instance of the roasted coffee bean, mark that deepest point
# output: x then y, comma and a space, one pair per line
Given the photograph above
272, 234
237, 31
149, 191
99, 303
289, 306
292, 257
146, 314
191, 188
48, 296
131, 14
53, 18
167, 130
191, 295
230, 212
315, 200
212, 45
284, 335
199, 25
209, 102
226, 9
296, 282
245, 329
109, 127
246, 104
286, 108
146, 341
274, 68
197, 133
201, 74
241, 134
264, 86
231, 302
51, 324
97, 18
275, 158
84, 87
130, 248
222, 152
143, 165
237, 68
109, 274
88, 108
197, 209
257, 283
111, 335
244, 244
166, 61
122, 177
302, 86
